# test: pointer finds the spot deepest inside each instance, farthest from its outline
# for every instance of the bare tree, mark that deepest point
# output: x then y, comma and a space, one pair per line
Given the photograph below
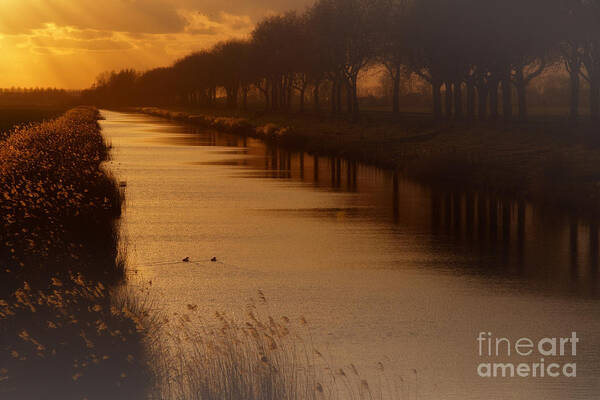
391, 37
591, 54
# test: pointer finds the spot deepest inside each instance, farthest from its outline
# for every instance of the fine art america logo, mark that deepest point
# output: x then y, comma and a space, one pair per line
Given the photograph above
541, 358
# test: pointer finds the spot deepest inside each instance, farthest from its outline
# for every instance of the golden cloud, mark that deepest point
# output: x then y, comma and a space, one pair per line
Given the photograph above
68, 43
64, 47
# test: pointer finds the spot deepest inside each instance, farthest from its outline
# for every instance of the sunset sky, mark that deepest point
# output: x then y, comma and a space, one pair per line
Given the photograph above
67, 43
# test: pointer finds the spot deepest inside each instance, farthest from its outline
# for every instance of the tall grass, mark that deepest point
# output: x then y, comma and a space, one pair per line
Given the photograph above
58, 204
64, 332
237, 125
71, 341
259, 358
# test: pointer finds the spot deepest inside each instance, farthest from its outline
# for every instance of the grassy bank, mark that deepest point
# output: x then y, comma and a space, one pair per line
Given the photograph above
546, 160
64, 331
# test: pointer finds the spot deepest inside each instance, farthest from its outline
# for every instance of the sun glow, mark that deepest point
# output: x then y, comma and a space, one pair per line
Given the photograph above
67, 44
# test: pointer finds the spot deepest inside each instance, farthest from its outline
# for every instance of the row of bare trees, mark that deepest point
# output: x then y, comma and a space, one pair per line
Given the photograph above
479, 56
37, 97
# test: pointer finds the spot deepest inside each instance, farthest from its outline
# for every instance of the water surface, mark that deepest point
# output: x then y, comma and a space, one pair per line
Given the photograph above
383, 268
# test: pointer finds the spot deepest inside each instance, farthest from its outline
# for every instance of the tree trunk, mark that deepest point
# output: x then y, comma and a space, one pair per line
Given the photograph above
206, 97
396, 89
448, 102
283, 93
522, 95
349, 98
302, 98
594, 99
333, 97
232, 96
470, 101
290, 96
574, 101
436, 88
316, 96
245, 98
274, 95
458, 100
521, 85
338, 97
354, 96
267, 98
506, 99
482, 94
493, 90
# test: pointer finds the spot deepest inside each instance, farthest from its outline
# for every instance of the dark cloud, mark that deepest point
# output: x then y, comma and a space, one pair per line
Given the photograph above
135, 16
140, 16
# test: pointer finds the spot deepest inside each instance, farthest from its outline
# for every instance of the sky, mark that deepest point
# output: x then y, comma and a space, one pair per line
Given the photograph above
68, 43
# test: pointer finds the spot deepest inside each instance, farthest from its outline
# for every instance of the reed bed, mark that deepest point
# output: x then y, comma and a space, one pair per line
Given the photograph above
58, 204
237, 125
257, 358
66, 330
71, 341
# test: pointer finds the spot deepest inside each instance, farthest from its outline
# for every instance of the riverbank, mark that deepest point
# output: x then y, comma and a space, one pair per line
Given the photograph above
546, 161
66, 329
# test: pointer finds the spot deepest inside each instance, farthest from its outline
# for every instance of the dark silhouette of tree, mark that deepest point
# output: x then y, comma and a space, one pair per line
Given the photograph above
155, 87
279, 42
346, 31
196, 78
114, 88
43, 97
591, 54
531, 40
479, 56
431, 53
391, 41
228, 58
572, 49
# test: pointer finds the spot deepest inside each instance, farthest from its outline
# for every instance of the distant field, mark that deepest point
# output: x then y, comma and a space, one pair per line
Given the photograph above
11, 116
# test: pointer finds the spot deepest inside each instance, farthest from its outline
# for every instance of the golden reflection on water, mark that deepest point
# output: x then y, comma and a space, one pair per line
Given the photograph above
384, 268
506, 237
